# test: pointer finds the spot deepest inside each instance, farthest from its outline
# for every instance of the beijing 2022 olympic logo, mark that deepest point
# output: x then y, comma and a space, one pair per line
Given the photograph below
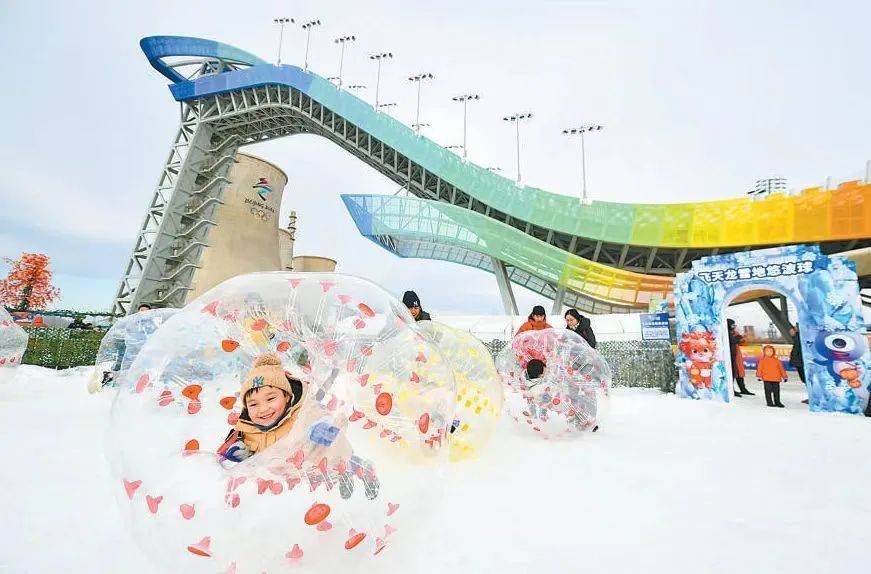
260, 209
262, 188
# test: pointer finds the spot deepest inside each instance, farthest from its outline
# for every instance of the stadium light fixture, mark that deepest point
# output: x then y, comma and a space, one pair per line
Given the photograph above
378, 58
465, 98
768, 186
308, 36
342, 40
418, 79
281, 22
581, 131
386, 107
516, 119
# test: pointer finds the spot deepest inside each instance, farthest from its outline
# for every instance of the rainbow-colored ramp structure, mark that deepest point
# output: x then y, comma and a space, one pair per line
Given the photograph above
600, 257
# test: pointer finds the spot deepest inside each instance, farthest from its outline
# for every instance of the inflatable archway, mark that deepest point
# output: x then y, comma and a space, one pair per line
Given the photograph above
825, 292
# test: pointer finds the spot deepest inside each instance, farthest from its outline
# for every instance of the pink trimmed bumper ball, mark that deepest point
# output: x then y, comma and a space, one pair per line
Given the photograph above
274, 424
13, 343
557, 385
121, 344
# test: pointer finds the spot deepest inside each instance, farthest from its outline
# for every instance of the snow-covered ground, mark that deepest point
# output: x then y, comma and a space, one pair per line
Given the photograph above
667, 486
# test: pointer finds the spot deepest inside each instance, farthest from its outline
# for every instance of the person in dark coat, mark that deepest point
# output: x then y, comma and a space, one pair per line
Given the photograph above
736, 339
412, 301
580, 325
796, 356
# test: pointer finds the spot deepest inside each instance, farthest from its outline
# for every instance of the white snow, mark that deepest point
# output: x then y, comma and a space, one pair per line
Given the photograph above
668, 485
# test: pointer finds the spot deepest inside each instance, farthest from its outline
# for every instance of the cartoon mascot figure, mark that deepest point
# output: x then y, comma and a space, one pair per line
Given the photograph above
699, 347
842, 353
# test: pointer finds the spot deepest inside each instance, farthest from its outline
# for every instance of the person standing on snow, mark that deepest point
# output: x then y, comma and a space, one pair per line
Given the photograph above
796, 355
736, 339
770, 371
412, 301
536, 321
580, 325
121, 351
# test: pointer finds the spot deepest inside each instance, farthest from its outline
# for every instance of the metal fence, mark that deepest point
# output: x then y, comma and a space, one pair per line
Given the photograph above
61, 348
648, 364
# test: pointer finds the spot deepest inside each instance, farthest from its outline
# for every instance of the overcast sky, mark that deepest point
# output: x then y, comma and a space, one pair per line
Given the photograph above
698, 99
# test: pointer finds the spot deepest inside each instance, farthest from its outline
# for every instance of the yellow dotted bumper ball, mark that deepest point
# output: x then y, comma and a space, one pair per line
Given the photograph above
479, 388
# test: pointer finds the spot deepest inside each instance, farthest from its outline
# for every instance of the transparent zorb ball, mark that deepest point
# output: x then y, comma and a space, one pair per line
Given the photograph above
13, 343
557, 385
344, 474
479, 397
122, 343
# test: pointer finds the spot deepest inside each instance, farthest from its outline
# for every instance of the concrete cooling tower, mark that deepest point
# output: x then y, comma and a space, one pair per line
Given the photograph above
245, 238
314, 264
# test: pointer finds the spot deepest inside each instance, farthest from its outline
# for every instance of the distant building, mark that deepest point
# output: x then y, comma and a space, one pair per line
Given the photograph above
313, 263
286, 238
245, 238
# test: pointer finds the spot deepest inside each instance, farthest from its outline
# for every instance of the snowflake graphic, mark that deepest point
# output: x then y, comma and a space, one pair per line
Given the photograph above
834, 298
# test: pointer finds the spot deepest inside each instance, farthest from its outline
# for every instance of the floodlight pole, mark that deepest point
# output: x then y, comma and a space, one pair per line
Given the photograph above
418, 79
465, 99
281, 22
308, 36
516, 119
581, 131
378, 57
342, 41
387, 107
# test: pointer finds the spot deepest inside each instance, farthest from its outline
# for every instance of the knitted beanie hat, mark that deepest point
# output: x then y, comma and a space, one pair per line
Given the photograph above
267, 372
410, 299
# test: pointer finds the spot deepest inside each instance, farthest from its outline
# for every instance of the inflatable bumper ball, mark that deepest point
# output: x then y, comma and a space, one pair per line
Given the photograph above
13, 343
282, 422
479, 398
557, 384
122, 343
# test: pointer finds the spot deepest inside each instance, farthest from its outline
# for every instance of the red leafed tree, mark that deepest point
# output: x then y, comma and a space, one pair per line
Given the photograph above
28, 285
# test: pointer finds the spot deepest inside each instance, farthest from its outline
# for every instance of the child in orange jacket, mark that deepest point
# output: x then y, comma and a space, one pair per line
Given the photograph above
274, 403
536, 321
770, 371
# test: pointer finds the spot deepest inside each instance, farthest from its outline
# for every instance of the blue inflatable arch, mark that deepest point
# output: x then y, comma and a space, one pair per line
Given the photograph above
825, 292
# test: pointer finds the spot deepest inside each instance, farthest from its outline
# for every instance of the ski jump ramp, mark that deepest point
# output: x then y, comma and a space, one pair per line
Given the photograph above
601, 256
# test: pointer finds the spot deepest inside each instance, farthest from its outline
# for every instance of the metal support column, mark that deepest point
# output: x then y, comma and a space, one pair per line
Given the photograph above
508, 301
784, 309
558, 300
171, 239
777, 317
